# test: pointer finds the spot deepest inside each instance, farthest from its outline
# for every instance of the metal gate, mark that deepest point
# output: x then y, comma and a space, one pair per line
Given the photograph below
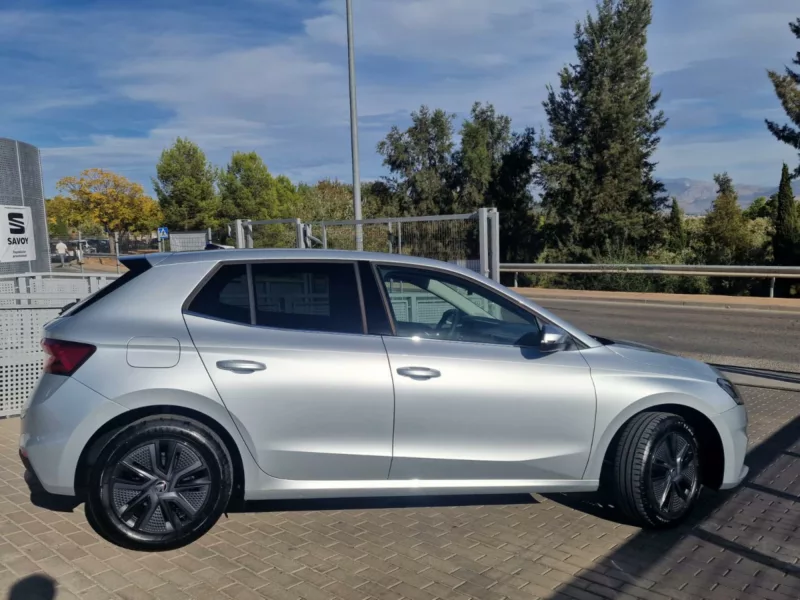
470, 240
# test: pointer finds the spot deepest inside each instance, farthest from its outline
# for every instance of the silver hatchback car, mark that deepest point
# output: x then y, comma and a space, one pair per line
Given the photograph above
198, 379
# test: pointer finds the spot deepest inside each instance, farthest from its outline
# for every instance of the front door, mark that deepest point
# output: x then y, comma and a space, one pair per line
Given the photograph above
475, 398
311, 393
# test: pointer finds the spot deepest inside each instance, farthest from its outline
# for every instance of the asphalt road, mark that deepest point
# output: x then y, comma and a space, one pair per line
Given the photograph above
741, 338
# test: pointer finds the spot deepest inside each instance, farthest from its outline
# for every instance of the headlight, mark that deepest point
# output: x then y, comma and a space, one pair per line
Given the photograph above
730, 389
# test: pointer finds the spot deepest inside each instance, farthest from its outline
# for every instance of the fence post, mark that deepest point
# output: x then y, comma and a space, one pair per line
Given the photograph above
80, 250
390, 236
239, 234
399, 237
772, 288
483, 241
208, 235
116, 248
494, 237
298, 227
324, 237
248, 233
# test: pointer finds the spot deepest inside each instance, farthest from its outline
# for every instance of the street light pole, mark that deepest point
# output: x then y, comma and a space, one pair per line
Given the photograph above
351, 63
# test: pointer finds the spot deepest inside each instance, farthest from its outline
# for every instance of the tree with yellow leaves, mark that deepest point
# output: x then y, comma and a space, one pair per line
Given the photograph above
107, 199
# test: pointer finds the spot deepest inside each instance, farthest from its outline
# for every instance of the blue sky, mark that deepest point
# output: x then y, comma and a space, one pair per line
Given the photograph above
102, 83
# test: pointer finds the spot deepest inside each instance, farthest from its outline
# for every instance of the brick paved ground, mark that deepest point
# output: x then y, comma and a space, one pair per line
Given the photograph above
742, 545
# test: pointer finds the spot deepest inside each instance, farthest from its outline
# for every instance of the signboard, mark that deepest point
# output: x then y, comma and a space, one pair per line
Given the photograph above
163, 233
16, 234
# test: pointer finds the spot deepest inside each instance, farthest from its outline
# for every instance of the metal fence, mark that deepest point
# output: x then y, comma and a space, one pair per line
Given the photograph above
750, 271
470, 240
27, 303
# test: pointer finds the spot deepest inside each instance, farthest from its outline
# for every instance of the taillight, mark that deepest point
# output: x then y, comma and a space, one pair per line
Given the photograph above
64, 358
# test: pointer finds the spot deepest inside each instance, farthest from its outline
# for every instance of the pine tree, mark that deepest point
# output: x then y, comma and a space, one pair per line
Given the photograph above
421, 163
724, 228
596, 165
676, 227
185, 187
787, 88
787, 236
485, 138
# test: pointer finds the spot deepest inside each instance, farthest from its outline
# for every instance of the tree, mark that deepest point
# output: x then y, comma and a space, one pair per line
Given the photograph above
421, 164
675, 227
787, 88
485, 138
725, 232
761, 208
185, 187
596, 167
107, 199
247, 190
787, 233
510, 192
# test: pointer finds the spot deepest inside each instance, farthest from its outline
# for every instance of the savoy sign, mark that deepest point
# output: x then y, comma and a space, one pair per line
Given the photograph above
16, 234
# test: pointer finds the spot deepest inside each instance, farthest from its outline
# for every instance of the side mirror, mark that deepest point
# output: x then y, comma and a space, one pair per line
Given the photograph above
553, 339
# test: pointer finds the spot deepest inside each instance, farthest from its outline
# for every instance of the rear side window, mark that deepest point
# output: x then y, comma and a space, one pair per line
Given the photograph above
308, 296
225, 296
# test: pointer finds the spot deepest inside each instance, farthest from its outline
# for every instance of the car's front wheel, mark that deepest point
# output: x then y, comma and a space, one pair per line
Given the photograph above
656, 469
160, 483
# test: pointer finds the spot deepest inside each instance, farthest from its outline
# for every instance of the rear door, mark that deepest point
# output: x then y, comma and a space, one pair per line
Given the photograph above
286, 346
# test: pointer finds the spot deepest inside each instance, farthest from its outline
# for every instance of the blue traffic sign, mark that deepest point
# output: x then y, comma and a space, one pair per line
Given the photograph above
163, 233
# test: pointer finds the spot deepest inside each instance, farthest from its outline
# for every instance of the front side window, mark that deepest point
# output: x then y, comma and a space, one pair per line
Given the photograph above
437, 305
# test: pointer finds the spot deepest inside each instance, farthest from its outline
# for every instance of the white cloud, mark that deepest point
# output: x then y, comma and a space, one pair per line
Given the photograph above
236, 84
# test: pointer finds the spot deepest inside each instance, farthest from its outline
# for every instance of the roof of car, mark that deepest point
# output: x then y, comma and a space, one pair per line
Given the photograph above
287, 253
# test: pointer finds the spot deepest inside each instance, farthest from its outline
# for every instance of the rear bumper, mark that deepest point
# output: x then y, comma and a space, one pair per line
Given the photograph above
58, 421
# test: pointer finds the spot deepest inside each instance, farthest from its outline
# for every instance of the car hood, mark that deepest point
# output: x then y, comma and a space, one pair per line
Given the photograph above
660, 360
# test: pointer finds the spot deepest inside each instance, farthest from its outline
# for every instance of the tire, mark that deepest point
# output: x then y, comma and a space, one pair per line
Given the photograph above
650, 486
160, 483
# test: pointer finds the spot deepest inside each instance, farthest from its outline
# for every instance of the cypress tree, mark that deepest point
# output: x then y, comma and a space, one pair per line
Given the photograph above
596, 167
787, 88
786, 227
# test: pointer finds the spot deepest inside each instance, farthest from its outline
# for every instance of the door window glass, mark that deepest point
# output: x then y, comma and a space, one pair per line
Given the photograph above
437, 305
308, 296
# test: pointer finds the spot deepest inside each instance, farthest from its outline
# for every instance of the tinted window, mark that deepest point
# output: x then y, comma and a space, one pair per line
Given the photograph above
225, 296
442, 306
308, 296
374, 306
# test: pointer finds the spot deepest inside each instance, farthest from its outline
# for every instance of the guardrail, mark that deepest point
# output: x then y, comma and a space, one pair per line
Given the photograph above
750, 272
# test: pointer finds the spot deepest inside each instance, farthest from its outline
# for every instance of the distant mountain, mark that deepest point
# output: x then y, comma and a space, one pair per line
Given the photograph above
695, 196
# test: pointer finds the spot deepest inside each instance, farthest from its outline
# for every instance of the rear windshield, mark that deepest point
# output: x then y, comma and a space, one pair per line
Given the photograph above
135, 268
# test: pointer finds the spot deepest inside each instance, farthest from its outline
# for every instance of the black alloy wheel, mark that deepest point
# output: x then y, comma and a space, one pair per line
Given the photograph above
160, 483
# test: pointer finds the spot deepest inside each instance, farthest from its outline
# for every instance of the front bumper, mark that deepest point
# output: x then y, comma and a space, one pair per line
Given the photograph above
732, 427
58, 421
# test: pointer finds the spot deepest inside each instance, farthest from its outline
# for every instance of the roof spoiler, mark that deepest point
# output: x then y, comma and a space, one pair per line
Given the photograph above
141, 262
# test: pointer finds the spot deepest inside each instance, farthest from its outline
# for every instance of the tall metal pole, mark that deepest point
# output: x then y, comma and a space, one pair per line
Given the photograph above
351, 63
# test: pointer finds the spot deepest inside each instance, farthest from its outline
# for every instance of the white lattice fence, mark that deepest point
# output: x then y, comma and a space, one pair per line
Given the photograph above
20, 354
27, 304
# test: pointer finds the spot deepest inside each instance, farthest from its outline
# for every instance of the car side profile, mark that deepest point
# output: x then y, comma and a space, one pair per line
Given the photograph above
200, 379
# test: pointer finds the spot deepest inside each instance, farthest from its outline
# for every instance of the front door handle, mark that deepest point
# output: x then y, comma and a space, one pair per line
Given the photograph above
241, 366
418, 373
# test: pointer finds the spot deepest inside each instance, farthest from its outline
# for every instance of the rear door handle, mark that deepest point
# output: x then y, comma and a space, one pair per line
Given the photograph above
241, 366
418, 373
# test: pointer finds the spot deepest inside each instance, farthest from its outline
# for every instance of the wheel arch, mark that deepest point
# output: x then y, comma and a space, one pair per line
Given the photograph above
712, 448
106, 433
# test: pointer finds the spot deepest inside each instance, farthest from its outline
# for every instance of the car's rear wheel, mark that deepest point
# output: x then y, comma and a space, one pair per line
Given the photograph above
656, 470
160, 483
